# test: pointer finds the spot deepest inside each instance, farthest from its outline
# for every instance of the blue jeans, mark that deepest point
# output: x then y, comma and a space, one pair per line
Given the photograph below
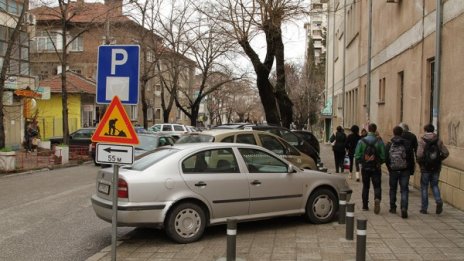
432, 178
401, 177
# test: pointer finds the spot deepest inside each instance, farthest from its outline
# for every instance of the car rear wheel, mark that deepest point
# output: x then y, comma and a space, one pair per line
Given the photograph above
321, 206
185, 223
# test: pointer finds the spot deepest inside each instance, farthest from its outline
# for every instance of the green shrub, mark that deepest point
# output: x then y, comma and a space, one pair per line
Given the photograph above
5, 149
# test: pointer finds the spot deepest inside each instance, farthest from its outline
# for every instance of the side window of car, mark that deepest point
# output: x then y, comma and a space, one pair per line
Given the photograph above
162, 142
229, 139
246, 138
291, 138
272, 144
289, 148
258, 161
167, 128
211, 161
178, 128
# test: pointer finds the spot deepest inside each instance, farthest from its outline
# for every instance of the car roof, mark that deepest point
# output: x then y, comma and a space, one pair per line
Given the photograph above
202, 145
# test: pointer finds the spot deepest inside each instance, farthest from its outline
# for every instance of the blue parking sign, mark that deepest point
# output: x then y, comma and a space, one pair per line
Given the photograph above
118, 73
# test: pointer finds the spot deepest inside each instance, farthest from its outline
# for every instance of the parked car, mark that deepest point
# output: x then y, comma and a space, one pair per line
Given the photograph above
169, 127
284, 133
310, 138
79, 138
147, 142
264, 139
186, 187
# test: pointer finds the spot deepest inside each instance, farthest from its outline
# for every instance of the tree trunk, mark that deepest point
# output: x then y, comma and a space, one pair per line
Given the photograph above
284, 102
144, 104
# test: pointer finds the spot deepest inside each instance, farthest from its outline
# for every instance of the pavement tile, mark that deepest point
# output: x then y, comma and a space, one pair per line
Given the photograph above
389, 237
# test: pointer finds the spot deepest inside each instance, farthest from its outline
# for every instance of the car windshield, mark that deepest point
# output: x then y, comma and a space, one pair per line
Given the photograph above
195, 139
147, 143
152, 158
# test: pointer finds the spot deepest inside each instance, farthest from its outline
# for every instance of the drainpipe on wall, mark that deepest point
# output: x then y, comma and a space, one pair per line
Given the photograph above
439, 18
369, 59
333, 71
344, 61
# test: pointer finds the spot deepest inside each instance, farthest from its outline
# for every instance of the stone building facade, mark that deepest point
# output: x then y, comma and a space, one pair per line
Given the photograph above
403, 62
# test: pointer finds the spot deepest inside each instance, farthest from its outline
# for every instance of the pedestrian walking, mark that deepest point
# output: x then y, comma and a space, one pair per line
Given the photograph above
411, 137
430, 153
399, 155
350, 146
31, 133
370, 152
338, 140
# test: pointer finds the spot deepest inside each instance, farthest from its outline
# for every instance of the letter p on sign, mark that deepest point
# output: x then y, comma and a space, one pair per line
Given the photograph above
115, 61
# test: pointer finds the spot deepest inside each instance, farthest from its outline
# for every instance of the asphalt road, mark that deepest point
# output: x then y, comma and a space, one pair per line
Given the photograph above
48, 216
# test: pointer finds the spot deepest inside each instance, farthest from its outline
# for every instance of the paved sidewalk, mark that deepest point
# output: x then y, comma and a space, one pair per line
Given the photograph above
389, 237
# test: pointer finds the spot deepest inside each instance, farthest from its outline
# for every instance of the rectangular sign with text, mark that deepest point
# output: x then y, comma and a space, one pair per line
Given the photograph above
114, 154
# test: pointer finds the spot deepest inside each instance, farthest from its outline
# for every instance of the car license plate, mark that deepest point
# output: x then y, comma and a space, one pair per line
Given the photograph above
104, 188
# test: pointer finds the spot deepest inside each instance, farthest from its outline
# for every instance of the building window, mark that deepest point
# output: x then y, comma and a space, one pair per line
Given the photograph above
11, 6
46, 42
19, 57
133, 112
364, 95
77, 45
150, 114
382, 91
158, 114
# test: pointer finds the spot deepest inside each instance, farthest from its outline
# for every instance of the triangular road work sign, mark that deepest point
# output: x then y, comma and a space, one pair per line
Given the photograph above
115, 126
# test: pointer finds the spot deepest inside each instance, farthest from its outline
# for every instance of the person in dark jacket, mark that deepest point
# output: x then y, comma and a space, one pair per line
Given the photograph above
338, 140
429, 176
368, 172
350, 146
398, 166
413, 142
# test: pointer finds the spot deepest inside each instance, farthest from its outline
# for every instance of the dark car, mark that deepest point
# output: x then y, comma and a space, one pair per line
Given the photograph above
147, 142
284, 133
79, 138
310, 138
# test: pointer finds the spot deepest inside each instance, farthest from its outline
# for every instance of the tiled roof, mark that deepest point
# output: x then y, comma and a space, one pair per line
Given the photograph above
83, 13
75, 84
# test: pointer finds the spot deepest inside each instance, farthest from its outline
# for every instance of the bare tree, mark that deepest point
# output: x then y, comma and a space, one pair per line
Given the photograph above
11, 47
209, 50
145, 14
243, 20
62, 17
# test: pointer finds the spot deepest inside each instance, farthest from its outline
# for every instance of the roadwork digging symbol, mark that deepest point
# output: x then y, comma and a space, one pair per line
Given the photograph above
115, 126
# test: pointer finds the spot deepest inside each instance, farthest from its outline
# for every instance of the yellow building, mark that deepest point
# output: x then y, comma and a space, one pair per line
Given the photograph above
81, 104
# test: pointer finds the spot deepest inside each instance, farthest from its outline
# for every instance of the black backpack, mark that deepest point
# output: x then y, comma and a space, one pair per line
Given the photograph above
432, 157
398, 156
370, 159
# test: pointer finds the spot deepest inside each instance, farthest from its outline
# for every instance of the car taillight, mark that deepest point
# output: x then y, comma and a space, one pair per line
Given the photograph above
123, 189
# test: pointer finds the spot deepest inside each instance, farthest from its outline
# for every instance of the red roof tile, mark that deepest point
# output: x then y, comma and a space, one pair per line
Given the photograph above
82, 13
75, 84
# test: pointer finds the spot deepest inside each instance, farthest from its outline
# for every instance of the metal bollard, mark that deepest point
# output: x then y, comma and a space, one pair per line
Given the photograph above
361, 240
342, 208
349, 221
231, 239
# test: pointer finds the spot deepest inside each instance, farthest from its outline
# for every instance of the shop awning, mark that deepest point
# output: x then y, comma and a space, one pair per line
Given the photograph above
28, 93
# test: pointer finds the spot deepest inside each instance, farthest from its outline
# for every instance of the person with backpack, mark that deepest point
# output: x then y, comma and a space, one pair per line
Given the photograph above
399, 156
430, 154
413, 142
370, 152
350, 146
338, 140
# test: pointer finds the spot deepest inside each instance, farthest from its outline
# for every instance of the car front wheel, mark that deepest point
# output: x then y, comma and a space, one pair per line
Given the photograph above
185, 223
321, 206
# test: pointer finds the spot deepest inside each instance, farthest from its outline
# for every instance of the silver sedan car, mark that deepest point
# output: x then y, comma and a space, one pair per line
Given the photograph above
185, 188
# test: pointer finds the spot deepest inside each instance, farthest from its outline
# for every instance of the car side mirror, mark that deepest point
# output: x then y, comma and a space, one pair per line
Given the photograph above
291, 169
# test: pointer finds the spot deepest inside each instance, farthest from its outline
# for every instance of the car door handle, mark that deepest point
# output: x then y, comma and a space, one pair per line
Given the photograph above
256, 182
200, 184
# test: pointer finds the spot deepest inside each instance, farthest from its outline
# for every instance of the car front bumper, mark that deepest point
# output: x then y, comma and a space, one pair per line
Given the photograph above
131, 214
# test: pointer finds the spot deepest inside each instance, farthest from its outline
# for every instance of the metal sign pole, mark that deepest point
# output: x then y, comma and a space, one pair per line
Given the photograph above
114, 220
